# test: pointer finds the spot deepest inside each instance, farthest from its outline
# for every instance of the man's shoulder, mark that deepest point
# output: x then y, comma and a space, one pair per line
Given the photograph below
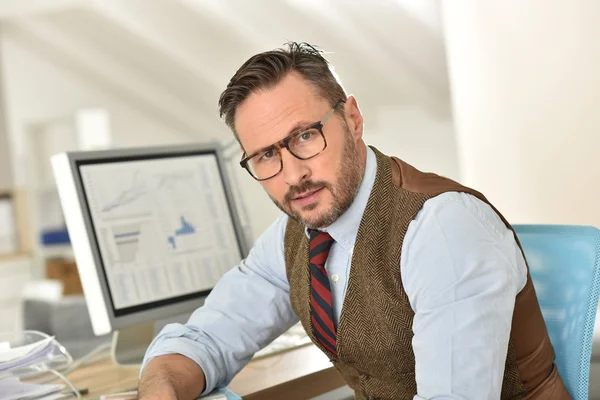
461, 209
467, 200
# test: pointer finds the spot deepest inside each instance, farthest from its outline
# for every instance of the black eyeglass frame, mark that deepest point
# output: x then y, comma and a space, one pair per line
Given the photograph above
285, 142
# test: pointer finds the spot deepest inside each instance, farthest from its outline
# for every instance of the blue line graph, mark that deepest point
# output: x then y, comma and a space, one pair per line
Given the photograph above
186, 229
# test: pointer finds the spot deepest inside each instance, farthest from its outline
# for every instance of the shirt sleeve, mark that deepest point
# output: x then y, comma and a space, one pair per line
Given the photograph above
248, 308
462, 270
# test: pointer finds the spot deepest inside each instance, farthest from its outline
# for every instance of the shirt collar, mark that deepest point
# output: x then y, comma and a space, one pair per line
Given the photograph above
345, 228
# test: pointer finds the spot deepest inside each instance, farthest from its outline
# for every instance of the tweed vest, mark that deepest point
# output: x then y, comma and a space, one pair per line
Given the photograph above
374, 332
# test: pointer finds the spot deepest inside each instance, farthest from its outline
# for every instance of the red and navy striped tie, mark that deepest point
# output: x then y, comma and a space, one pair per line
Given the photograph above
321, 306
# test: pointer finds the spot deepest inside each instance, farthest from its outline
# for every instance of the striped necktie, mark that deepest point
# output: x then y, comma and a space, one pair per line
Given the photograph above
321, 306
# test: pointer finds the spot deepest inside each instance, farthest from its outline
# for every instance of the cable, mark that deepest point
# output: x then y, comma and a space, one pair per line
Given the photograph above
87, 357
67, 369
68, 382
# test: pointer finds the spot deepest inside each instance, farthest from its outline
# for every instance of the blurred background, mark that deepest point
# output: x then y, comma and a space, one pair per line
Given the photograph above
83, 75
501, 95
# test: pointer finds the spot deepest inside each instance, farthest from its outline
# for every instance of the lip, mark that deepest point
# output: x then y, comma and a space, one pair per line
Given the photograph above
312, 197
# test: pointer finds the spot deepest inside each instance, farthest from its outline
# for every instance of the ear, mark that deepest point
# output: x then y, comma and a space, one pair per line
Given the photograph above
354, 117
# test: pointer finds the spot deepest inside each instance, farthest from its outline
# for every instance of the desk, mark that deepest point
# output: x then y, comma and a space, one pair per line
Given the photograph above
295, 374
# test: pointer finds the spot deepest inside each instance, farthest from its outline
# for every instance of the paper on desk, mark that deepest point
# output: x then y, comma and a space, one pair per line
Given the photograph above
13, 389
24, 355
9, 354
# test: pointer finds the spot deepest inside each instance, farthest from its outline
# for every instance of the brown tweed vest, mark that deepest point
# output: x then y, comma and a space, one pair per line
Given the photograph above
374, 333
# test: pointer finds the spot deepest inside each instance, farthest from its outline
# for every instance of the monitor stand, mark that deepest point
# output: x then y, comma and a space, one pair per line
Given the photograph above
129, 344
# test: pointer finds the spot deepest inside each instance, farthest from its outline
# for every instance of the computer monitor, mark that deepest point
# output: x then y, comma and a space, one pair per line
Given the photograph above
152, 231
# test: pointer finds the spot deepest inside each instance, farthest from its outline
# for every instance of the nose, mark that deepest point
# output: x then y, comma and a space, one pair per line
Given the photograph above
294, 170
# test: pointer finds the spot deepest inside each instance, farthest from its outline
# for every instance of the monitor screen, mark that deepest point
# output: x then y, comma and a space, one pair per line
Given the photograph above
163, 227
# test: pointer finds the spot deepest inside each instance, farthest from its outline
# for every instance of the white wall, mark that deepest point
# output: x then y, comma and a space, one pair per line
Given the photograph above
10, 8
37, 91
421, 140
6, 178
526, 90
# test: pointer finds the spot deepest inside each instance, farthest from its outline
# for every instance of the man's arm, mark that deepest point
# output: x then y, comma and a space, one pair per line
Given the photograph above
461, 269
248, 308
171, 377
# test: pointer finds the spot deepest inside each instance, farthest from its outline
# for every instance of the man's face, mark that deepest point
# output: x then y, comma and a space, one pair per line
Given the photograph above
315, 191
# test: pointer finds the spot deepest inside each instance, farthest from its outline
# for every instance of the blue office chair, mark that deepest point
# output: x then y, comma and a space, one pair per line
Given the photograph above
564, 263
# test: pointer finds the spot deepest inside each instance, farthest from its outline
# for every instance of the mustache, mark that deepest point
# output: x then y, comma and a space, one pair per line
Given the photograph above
305, 187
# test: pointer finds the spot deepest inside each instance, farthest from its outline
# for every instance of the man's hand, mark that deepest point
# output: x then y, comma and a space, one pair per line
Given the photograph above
171, 377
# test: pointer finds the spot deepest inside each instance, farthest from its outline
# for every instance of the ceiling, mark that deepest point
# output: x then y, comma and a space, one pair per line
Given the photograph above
173, 58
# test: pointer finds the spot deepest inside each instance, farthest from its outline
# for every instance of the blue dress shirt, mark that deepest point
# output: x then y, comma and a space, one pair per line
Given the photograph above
461, 269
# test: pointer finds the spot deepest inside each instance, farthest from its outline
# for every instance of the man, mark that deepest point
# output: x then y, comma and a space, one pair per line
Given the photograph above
413, 285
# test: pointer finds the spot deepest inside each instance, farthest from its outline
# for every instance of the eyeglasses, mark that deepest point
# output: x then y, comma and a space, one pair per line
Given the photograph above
304, 144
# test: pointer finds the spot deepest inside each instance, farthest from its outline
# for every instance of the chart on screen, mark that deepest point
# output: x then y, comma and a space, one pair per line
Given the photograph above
163, 227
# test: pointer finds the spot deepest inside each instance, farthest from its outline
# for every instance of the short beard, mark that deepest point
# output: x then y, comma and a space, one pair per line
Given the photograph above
349, 178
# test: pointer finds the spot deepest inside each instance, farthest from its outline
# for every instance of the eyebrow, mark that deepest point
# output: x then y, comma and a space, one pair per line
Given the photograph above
299, 125
295, 128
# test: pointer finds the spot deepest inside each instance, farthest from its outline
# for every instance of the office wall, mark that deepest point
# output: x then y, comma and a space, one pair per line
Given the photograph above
5, 159
425, 141
38, 91
526, 92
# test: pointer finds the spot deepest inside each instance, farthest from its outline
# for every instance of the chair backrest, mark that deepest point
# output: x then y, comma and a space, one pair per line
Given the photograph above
564, 263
